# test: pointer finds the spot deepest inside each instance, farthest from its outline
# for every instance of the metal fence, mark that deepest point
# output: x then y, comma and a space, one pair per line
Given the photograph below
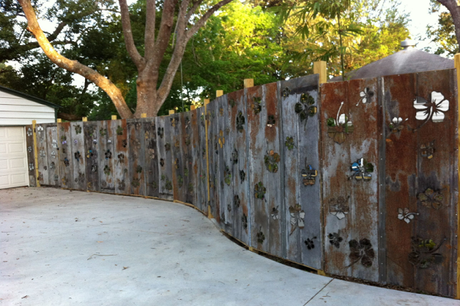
357, 179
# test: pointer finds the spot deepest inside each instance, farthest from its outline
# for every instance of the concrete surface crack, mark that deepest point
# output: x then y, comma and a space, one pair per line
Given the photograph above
318, 292
101, 255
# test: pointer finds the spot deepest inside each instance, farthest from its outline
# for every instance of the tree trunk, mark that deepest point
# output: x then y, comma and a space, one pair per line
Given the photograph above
74, 66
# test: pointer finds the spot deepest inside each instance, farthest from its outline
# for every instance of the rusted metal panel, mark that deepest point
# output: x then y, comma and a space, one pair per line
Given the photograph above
151, 158
239, 166
30, 155
301, 212
53, 155
421, 178
106, 156
78, 156
202, 168
92, 155
213, 159
265, 163
350, 142
136, 156
65, 155
42, 155
195, 157
165, 158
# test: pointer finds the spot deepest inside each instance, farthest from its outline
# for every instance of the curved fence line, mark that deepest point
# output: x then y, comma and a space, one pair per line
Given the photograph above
355, 178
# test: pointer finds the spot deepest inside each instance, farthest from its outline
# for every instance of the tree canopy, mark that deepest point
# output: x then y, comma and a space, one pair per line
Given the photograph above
241, 40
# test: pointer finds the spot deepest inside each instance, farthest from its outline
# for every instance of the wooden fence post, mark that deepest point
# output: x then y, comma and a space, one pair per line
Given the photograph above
59, 120
114, 117
206, 102
321, 69
171, 112
84, 119
37, 179
219, 93
143, 115
248, 83
192, 107
457, 66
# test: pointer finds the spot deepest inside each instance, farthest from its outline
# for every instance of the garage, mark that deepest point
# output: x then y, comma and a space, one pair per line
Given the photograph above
16, 111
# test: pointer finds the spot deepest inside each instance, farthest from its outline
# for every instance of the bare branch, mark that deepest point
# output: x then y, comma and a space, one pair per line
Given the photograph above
71, 65
149, 38
127, 33
205, 17
195, 5
164, 33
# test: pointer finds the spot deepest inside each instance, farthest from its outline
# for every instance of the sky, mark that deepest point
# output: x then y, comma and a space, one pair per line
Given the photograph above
419, 13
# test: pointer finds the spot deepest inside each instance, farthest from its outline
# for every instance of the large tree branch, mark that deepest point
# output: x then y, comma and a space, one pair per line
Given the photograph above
454, 10
195, 5
127, 33
164, 33
149, 38
71, 65
204, 18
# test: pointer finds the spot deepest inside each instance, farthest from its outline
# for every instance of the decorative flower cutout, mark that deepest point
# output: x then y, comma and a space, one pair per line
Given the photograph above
29, 149
310, 243
227, 176
260, 237
77, 155
244, 220
162, 162
335, 239
424, 253
240, 121
271, 161
77, 129
106, 170
340, 127
108, 154
431, 198
305, 107
289, 143
242, 175
361, 251
31, 166
66, 161
271, 121
396, 125
286, 92
433, 110
338, 207
256, 105
42, 153
234, 157
309, 176
275, 213
236, 201
361, 170
404, 214
29, 132
427, 150
366, 96
259, 190
297, 217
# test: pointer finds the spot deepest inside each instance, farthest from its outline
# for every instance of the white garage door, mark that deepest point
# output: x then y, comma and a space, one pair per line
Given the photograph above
13, 157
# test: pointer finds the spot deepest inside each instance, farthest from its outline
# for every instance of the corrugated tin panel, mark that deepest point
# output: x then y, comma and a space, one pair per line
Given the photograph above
20, 111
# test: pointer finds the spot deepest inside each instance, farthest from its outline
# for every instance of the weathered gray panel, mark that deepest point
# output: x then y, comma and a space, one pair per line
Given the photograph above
239, 165
106, 156
188, 191
195, 158
53, 155
202, 167
165, 158
213, 159
121, 157
65, 155
136, 158
92, 153
299, 142
176, 155
78, 156
42, 155
30, 156
151, 158
264, 158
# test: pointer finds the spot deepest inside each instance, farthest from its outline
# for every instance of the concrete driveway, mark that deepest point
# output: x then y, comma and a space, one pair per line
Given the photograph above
62, 247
